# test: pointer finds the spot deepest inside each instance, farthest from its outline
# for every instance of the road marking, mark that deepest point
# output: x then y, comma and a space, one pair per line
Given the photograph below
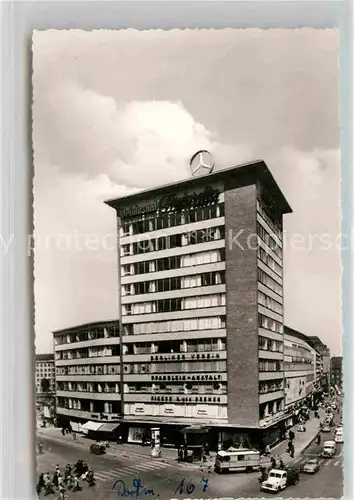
147, 466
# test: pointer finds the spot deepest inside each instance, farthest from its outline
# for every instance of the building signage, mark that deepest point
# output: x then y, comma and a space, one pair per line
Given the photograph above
173, 203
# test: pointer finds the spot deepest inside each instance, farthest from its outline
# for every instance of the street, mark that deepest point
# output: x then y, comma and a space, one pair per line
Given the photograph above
125, 468
164, 480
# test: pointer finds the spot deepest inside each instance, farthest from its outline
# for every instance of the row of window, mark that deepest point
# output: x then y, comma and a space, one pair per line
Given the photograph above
269, 324
189, 366
268, 302
298, 359
174, 262
275, 225
269, 365
177, 283
108, 387
270, 386
89, 370
175, 304
178, 325
88, 352
92, 334
269, 282
269, 261
175, 346
95, 406
178, 388
269, 240
269, 344
164, 221
174, 241
270, 408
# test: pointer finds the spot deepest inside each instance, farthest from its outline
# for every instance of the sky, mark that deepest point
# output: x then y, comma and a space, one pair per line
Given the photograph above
118, 111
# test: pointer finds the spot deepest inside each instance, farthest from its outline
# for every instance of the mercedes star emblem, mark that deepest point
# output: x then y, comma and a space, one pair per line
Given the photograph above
201, 163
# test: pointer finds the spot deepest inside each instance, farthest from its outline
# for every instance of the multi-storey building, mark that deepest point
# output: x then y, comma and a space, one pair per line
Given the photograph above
45, 371
336, 372
299, 370
201, 303
88, 368
323, 362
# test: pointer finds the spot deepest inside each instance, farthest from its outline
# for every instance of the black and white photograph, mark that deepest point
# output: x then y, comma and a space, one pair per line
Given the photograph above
187, 264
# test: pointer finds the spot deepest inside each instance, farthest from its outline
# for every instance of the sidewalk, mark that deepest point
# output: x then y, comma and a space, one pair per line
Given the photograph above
301, 441
114, 449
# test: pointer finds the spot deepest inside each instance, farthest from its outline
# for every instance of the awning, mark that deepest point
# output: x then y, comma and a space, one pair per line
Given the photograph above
109, 427
195, 429
91, 426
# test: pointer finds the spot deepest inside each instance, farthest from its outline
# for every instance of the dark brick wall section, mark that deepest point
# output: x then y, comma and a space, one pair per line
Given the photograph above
241, 301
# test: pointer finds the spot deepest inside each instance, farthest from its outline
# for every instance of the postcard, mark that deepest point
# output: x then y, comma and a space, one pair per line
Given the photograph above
187, 264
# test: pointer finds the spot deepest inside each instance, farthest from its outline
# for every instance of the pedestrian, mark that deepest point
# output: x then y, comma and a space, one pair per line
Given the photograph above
63, 431
76, 484
74, 436
40, 484
267, 450
291, 435
48, 485
40, 448
281, 465
90, 478
292, 450
273, 463
180, 453
318, 441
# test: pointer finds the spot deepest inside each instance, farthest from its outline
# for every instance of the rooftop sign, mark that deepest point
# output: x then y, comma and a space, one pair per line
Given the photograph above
173, 203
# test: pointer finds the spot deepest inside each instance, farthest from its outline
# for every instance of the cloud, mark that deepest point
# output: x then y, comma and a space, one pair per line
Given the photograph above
116, 112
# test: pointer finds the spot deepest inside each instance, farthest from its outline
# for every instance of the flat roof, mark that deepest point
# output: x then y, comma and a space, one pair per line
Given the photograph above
252, 172
85, 326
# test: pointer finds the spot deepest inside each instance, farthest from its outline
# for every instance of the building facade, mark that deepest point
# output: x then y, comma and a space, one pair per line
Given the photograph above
300, 373
201, 302
337, 373
323, 362
45, 371
88, 373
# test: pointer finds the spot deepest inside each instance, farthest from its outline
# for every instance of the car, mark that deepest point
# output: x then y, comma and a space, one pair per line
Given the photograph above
311, 466
276, 481
329, 449
339, 428
326, 428
97, 449
301, 428
339, 437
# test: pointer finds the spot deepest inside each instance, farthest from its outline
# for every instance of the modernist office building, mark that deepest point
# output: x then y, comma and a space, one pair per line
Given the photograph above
200, 266
301, 377
88, 373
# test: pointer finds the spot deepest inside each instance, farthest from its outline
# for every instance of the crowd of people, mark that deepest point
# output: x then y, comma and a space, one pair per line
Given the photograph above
67, 479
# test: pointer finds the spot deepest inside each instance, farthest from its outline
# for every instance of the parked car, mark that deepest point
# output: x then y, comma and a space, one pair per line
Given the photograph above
339, 437
311, 466
301, 428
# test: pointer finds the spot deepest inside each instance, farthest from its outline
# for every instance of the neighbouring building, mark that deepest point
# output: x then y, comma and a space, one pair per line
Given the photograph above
336, 372
45, 374
300, 373
88, 374
200, 265
323, 362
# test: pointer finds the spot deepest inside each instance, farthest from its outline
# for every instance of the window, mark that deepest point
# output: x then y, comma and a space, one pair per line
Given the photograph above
217, 322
